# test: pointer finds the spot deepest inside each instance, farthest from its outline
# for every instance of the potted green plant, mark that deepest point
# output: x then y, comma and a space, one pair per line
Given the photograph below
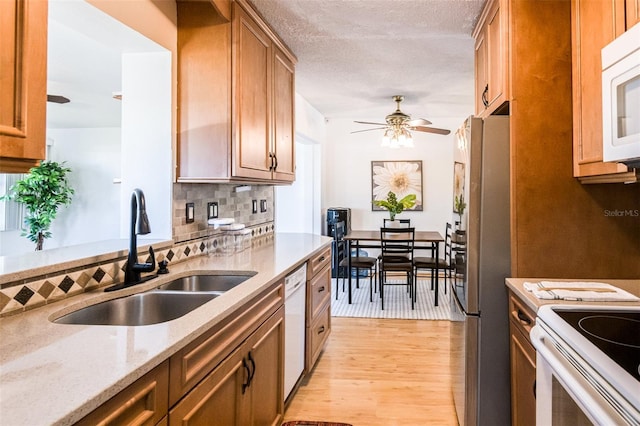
42, 192
395, 206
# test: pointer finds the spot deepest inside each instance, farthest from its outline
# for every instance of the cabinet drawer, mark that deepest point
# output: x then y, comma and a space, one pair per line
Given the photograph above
523, 378
142, 403
317, 335
521, 316
319, 292
318, 262
195, 361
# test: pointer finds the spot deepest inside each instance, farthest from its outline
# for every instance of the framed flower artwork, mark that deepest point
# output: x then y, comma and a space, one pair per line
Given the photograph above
400, 177
458, 183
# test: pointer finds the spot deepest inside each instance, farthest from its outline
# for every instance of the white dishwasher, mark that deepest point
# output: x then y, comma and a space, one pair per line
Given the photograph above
295, 296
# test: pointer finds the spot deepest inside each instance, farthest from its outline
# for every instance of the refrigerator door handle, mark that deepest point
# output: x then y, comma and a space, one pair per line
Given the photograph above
459, 304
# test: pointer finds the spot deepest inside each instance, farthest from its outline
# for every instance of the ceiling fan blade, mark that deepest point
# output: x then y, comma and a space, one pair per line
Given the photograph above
432, 130
368, 122
368, 130
58, 99
419, 122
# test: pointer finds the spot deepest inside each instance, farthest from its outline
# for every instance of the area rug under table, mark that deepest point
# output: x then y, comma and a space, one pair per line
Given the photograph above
397, 303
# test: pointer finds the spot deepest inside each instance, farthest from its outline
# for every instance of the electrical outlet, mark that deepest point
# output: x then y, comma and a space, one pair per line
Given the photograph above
190, 212
255, 206
212, 210
263, 206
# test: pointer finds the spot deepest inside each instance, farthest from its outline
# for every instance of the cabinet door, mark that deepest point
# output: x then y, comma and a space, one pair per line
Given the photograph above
481, 73
23, 82
218, 399
523, 379
283, 116
595, 23
491, 59
252, 86
266, 353
496, 62
632, 13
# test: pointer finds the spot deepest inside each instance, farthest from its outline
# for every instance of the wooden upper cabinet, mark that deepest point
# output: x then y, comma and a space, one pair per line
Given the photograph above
632, 12
252, 90
491, 60
594, 24
236, 96
283, 116
23, 83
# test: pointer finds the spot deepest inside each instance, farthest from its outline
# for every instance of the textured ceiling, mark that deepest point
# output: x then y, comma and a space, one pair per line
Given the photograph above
354, 55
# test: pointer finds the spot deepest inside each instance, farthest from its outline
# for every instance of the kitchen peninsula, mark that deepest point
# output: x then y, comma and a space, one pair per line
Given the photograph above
57, 374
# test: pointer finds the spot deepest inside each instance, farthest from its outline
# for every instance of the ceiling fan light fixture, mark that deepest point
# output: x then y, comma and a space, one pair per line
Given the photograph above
397, 136
408, 139
398, 127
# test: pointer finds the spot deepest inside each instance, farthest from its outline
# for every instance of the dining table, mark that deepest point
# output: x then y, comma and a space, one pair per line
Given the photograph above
361, 239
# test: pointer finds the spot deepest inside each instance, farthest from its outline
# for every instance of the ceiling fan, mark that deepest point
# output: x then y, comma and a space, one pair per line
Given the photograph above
399, 125
57, 99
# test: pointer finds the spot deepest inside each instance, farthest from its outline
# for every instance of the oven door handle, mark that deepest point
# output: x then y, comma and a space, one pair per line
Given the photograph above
537, 339
588, 399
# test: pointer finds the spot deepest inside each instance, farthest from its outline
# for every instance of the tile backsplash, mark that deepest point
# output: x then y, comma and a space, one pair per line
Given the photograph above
237, 205
189, 240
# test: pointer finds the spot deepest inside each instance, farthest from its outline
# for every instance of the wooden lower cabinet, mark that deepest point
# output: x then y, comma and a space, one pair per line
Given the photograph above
318, 306
231, 375
145, 402
523, 364
245, 389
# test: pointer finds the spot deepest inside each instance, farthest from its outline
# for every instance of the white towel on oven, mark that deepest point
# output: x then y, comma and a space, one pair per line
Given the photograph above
579, 291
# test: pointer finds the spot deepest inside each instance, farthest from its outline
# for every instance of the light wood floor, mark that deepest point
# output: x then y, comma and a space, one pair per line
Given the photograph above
380, 372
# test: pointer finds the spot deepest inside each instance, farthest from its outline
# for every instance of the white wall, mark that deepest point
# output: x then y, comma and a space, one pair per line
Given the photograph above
93, 155
146, 139
346, 174
298, 206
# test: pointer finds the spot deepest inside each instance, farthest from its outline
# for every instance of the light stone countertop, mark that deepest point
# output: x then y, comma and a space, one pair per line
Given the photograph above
56, 374
28, 265
516, 285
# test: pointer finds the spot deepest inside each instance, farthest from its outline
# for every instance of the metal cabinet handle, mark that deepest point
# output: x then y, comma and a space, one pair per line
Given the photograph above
322, 258
524, 319
321, 289
321, 329
246, 368
485, 101
253, 367
534, 389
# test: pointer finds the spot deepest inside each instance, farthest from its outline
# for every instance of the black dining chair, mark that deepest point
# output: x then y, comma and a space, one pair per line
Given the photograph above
360, 262
397, 246
339, 254
431, 263
457, 258
404, 223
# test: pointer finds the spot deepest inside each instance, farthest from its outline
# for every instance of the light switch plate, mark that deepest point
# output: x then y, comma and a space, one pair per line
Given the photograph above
263, 206
190, 211
255, 206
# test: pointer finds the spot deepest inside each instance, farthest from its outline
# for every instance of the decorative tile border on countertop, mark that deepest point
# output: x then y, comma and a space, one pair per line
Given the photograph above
39, 291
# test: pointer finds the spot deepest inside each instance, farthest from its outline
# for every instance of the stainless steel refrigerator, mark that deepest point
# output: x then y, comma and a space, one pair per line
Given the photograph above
480, 323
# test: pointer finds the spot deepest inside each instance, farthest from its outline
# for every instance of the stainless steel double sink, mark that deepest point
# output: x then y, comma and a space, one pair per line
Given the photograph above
165, 303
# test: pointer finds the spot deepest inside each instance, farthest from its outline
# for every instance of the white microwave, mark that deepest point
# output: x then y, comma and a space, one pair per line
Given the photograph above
621, 99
